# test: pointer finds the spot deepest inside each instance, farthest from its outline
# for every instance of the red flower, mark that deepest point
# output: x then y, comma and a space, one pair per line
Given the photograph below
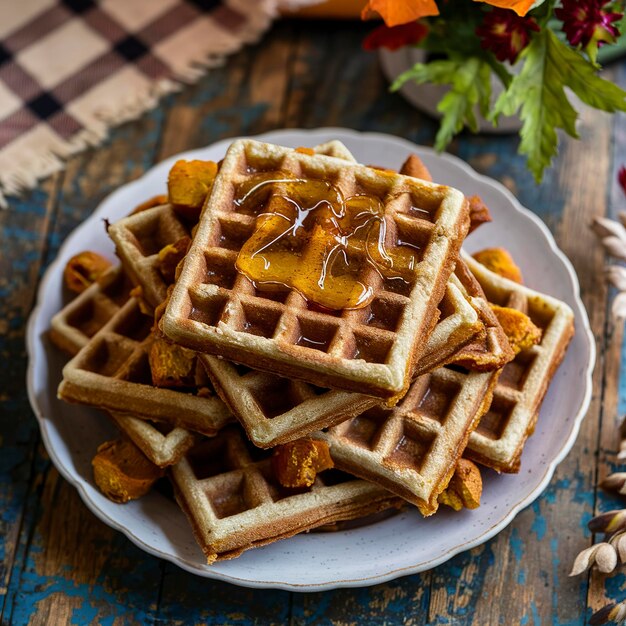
394, 37
505, 33
585, 22
621, 178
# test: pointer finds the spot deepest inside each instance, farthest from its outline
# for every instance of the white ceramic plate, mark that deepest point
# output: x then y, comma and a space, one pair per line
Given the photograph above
400, 545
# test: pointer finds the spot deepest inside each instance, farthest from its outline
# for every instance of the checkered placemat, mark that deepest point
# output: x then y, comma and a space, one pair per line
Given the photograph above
71, 68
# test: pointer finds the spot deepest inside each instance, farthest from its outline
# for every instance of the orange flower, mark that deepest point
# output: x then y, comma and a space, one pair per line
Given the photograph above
396, 12
521, 7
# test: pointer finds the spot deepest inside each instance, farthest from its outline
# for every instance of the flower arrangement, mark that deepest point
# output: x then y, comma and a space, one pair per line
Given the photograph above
536, 49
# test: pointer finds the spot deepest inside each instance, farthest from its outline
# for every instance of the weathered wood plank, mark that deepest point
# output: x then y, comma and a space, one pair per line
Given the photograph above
244, 97
269, 81
75, 569
44, 580
23, 230
606, 589
336, 83
207, 111
402, 601
188, 599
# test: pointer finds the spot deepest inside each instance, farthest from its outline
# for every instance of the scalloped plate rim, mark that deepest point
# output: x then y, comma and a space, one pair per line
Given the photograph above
322, 134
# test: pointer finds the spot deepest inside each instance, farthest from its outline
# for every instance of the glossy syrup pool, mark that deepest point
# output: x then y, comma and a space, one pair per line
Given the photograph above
311, 238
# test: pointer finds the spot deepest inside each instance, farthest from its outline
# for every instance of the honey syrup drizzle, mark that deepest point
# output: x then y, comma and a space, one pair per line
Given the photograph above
309, 238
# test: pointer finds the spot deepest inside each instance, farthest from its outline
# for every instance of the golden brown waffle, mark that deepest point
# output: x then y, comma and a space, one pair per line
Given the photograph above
73, 326
71, 330
413, 448
228, 491
502, 432
272, 409
490, 349
112, 372
275, 410
216, 310
139, 238
164, 445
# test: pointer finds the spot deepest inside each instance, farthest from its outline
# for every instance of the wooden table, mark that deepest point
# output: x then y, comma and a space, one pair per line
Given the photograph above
59, 564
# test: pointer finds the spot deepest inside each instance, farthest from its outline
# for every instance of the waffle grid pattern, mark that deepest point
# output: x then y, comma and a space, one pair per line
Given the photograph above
73, 326
216, 309
138, 240
502, 432
112, 372
413, 448
274, 410
228, 491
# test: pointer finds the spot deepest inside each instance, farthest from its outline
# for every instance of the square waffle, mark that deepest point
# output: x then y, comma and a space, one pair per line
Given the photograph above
74, 325
71, 330
273, 409
112, 372
228, 491
216, 310
413, 448
502, 432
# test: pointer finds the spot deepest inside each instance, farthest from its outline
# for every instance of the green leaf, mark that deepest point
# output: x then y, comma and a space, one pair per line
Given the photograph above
483, 85
437, 72
499, 70
538, 93
581, 77
537, 90
470, 85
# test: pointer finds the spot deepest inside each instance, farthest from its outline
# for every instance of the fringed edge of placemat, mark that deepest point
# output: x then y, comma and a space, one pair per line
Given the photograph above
35, 163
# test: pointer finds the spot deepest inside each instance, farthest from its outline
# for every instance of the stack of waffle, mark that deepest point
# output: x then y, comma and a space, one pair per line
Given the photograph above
248, 391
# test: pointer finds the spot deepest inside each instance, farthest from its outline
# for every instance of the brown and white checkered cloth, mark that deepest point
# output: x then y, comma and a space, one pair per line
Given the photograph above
71, 68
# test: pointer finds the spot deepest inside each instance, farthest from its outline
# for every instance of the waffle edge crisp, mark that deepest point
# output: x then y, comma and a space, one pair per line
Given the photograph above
501, 434
213, 312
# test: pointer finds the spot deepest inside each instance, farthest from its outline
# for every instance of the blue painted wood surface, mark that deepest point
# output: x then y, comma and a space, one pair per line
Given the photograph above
60, 565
